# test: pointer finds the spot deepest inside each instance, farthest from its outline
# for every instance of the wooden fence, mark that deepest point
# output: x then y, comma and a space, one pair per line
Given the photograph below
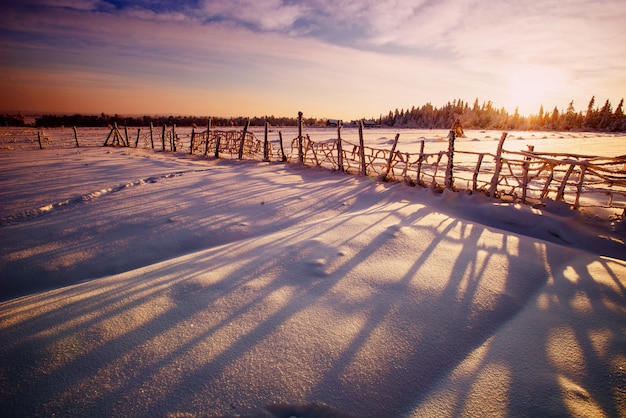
580, 181
592, 183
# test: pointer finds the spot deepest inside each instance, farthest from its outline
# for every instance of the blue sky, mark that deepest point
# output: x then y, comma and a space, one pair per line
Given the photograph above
339, 59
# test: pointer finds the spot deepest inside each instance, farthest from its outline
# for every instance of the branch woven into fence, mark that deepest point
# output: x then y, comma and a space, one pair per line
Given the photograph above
227, 144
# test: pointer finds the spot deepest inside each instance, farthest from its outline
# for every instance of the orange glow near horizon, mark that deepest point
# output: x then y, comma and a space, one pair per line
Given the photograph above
210, 59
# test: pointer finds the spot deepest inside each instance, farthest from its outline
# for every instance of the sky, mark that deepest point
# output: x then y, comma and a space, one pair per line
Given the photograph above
341, 59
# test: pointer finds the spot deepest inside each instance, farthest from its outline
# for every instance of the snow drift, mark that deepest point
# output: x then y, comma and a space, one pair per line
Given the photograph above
137, 283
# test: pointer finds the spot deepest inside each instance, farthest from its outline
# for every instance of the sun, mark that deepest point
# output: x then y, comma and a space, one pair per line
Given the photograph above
530, 87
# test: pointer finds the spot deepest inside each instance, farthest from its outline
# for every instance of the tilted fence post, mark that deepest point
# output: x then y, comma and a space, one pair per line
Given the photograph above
560, 195
477, 172
151, 136
76, 136
218, 141
106, 141
391, 155
579, 186
496, 174
243, 138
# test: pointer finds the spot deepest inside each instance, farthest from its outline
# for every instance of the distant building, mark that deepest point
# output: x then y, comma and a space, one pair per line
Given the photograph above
335, 122
370, 124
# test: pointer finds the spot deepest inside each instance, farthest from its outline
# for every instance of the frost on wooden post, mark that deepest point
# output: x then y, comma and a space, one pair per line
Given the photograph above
392, 154
496, 174
450, 166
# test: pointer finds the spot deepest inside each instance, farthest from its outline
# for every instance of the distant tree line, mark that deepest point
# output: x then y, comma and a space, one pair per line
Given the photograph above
103, 120
476, 116
12, 120
486, 116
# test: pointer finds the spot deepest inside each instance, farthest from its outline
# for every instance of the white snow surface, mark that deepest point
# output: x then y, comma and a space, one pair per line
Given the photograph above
141, 283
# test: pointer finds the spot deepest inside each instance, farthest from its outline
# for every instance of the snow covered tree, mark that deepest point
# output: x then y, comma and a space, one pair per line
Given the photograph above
605, 117
591, 117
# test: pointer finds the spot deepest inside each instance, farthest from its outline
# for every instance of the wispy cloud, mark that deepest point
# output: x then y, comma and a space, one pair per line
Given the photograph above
361, 54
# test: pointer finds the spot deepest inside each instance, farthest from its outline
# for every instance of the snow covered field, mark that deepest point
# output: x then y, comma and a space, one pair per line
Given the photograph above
590, 143
142, 283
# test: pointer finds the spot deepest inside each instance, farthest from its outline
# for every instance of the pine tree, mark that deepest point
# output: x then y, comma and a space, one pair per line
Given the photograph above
619, 119
605, 117
540, 121
570, 117
591, 120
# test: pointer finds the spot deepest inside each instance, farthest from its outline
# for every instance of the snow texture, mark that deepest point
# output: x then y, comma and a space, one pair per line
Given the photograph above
140, 283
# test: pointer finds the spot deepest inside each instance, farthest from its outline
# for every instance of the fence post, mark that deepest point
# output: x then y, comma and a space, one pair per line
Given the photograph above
151, 137
391, 155
339, 148
266, 155
127, 144
546, 187
218, 140
363, 168
163, 138
419, 163
173, 139
300, 153
137, 140
309, 145
282, 148
39, 139
450, 167
208, 135
243, 138
106, 141
76, 136
560, 195
477, 172
579, 186
496, 174
525, 168
193, 134
118, 135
